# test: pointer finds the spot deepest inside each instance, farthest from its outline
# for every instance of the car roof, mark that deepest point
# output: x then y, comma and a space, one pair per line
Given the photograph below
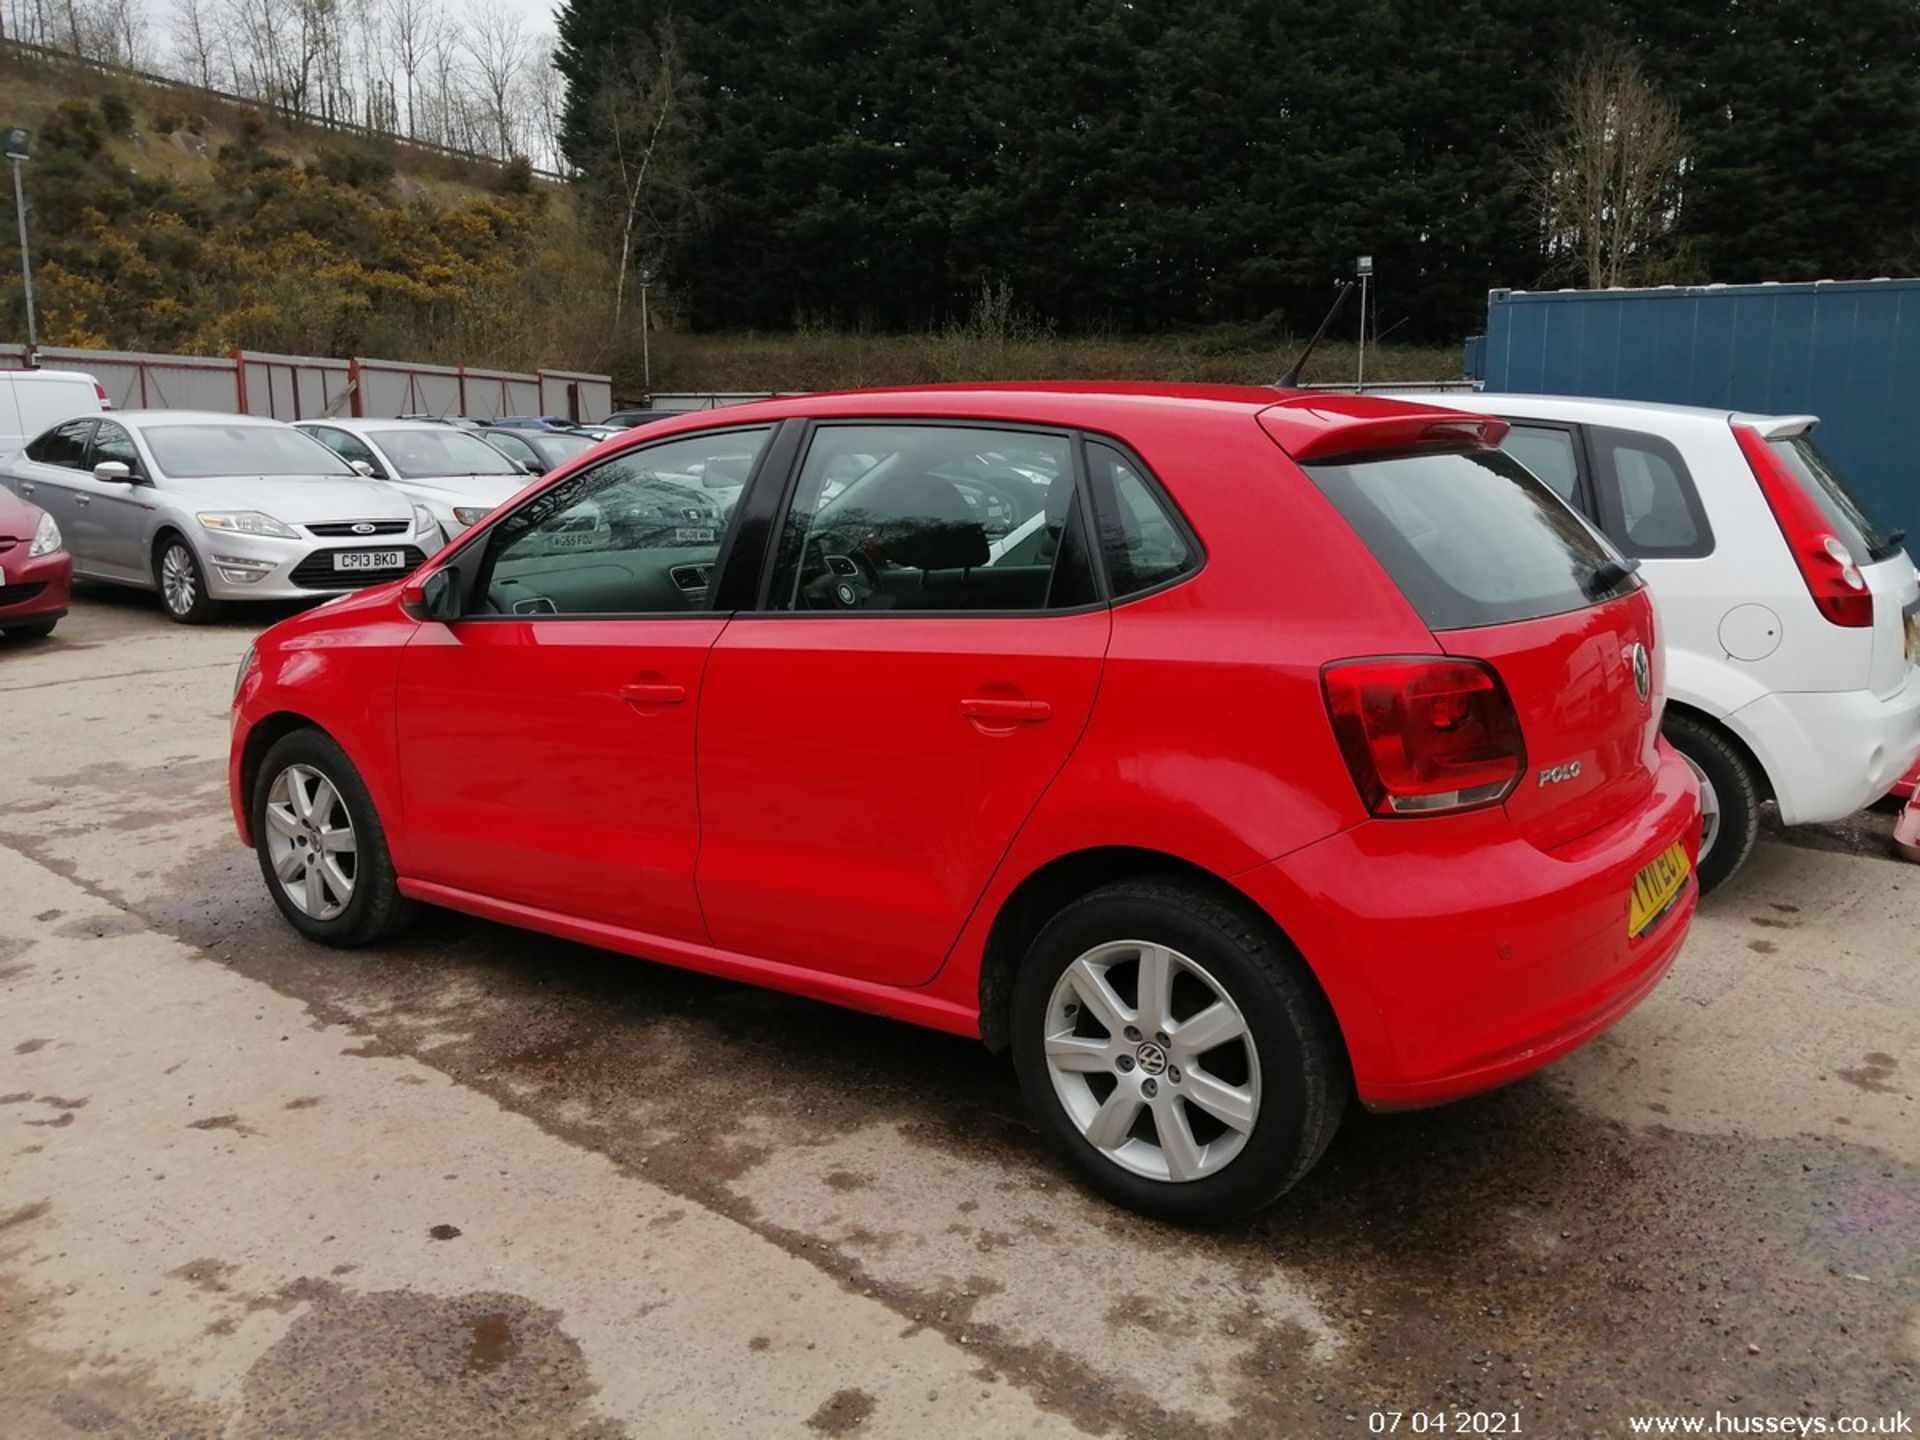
363, 423
1598, 408
1291, 416
15, 376
198, 417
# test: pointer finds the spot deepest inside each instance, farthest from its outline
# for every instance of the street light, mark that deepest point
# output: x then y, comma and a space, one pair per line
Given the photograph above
17, 149
645, 278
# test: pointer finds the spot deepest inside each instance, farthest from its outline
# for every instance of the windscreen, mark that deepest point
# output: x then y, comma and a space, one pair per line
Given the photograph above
1472, 538
209, 451
1863, 534
424, 454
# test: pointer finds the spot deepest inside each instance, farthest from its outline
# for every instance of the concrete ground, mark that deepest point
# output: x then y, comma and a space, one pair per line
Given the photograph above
481, 1183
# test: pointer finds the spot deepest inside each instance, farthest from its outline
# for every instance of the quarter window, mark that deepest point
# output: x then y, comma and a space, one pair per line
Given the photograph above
637, 534
1143, 544
1648, 505
1549, 453
933, 517
64, 445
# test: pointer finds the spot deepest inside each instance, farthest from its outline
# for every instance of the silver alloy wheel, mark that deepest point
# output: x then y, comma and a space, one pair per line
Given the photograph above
1167, 1086
178, 580
1709, 807
310, 842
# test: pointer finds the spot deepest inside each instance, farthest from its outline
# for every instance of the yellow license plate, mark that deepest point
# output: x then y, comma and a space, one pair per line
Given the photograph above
1655, 886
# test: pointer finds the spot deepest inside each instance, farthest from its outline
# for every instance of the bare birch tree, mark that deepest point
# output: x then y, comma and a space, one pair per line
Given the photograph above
496, 47
639, 110
196, 42
411, 29
1607, 179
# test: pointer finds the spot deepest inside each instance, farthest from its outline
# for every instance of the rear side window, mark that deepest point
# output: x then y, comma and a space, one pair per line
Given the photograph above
1471, 538
1648, 504
1143, 544
1856, 525
63, 445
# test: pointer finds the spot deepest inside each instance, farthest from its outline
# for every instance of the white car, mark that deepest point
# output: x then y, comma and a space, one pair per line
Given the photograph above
451, 471
207, 508
1790, 616
33, 400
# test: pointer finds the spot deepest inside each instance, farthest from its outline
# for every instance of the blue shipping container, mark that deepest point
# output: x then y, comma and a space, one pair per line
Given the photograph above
1845, 350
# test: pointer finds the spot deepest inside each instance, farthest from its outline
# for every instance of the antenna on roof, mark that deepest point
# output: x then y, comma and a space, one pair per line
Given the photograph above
1292, 377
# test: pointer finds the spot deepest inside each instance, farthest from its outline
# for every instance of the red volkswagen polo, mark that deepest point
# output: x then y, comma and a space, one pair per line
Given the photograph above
1219, 752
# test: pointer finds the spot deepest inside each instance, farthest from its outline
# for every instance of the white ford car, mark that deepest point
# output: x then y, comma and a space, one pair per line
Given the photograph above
1791, 617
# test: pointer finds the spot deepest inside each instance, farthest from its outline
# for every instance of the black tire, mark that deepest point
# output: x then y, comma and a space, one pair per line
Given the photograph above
189, 604
1303, 1075
31, 629
1735, 792
376, 910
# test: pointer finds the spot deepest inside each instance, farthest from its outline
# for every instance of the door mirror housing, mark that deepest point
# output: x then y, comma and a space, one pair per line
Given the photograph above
362, 468
114, 472
436, 597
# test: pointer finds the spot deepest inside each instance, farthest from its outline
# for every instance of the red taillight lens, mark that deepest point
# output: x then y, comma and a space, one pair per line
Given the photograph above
1423, 734
106, 400
1838, 588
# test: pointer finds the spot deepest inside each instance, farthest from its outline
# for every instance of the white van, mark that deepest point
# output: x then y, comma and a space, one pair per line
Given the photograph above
1791, 616
34, 401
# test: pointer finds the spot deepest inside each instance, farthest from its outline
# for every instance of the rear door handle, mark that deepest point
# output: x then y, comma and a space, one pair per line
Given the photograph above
653, 693
996, 711
83, 500
26, 487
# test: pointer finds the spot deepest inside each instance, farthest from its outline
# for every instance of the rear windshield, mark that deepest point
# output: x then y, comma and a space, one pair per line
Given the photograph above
1472, 538
204, 452
1865, 536
565, 447
424, 454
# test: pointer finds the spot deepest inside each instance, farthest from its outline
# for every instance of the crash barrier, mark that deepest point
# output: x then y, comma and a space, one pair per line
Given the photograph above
310, 387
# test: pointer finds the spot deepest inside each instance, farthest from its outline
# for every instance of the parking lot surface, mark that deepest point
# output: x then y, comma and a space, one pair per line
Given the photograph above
482, 1183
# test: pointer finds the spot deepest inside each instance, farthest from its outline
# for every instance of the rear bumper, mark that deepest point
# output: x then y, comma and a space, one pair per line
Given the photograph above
1458, 956
1830, 753
37, 589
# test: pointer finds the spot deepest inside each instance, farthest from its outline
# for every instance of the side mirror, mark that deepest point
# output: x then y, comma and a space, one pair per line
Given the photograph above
525, 468
362, 469
437, 597
113, 472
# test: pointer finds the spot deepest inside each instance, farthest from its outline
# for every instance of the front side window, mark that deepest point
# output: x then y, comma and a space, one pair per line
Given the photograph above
637, 534
348, 447
932, 518
65, 445
207, 451
1648, 505
1142, 544
1472, 538
427, 454
111, 442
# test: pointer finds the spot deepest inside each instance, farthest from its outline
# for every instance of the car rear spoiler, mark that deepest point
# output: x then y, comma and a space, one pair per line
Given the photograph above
1320, 427
1775, 427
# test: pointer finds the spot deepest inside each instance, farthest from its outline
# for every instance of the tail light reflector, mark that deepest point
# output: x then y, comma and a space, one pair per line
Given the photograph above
1838, 588
1423, 734
106, 400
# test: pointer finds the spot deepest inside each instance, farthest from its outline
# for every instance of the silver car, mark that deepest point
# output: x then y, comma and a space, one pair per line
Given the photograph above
207, 508
451, 471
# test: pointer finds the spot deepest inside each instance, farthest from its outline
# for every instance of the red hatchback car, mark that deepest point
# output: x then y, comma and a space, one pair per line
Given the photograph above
36, 572
1221, 752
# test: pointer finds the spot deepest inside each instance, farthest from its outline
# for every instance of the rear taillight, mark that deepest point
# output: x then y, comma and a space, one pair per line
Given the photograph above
1838, 588
1423, 734
106, 401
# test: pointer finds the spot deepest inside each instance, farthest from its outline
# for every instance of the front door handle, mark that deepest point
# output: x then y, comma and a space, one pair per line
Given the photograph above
996, 711
653, 693
26, 487
83, 500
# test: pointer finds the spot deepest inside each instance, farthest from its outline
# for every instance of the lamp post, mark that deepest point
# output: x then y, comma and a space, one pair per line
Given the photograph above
1363, 267
17, 149
645, 278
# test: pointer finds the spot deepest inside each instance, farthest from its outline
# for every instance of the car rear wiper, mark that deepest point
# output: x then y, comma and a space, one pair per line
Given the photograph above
1609, 574
1889, 546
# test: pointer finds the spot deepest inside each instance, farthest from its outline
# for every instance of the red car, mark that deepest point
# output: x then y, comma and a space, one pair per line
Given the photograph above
36, 572
1220, 752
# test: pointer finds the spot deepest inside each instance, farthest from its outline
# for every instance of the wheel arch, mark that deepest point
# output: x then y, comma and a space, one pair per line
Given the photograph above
1056, 884
262, 736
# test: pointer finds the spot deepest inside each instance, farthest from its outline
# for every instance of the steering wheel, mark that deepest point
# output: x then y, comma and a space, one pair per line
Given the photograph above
848, 578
